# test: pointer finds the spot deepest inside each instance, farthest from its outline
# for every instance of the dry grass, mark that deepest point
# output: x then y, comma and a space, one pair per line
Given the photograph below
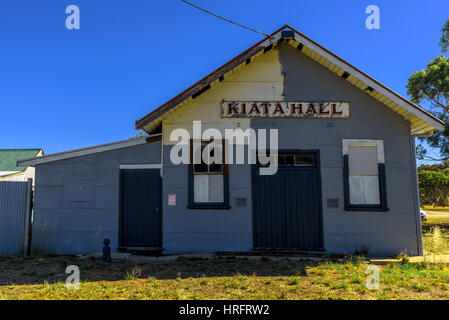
436, 234
229, 277
219, 279
436, 209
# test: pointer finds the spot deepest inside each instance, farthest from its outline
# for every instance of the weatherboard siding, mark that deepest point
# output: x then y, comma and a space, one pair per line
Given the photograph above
199, 230
383, 233
71, 222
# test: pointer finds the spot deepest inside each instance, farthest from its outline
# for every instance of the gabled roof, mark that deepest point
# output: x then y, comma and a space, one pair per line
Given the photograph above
422, 122
9, 157
87, 151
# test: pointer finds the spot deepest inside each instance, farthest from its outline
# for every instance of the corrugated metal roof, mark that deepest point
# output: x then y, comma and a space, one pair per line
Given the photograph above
32, 161
9, 157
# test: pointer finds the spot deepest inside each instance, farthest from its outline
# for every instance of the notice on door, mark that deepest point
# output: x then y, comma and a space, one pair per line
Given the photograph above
172, 199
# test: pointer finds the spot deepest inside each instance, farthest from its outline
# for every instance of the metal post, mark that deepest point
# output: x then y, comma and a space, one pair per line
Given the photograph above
106, 251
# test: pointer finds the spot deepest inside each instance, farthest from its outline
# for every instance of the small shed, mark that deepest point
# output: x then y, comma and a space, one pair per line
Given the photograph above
9, 171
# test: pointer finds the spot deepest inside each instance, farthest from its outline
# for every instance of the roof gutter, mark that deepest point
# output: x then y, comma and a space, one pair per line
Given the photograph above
89, 150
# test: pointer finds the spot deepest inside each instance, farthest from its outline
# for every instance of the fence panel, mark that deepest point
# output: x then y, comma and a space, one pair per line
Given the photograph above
15, 217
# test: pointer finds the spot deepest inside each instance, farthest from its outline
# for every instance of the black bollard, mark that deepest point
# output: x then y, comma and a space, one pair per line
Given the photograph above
106, 251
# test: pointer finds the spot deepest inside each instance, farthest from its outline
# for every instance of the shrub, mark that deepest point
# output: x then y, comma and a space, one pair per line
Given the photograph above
434, 187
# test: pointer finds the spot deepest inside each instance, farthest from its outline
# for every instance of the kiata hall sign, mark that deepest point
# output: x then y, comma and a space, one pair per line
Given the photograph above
284, 109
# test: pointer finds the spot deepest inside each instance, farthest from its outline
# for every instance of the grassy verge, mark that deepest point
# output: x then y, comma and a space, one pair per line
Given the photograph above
436, 234
436, 209
229, 277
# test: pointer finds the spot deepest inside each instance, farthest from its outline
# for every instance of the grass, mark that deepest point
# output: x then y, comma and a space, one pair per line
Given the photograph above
436, 209
217, 279
436, 234
43, 277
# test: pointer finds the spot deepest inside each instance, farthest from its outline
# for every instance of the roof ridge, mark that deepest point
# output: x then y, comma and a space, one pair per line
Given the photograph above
205, 83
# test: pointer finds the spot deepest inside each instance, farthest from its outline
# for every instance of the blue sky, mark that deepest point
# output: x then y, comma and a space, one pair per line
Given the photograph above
63, 89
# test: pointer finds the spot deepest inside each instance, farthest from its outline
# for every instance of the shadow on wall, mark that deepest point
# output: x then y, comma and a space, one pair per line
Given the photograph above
48, 239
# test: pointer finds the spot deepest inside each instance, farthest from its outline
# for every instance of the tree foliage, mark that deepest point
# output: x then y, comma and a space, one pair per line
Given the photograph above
434, 187
432, 167
444, 41
431, 84
431, 87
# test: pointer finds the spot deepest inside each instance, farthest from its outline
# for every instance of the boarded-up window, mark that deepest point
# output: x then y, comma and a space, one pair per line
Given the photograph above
363, 175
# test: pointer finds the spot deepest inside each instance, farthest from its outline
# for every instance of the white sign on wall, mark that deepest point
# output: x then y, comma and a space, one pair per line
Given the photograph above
172, 199
284, 109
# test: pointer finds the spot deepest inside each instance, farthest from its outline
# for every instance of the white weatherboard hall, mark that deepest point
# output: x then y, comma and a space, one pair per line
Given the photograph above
346, 179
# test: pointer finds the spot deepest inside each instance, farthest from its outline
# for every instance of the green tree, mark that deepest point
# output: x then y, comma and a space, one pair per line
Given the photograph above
444, 41
431, 87
434, 187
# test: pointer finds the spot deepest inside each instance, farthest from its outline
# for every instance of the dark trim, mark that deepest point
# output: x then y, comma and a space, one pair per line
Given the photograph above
231, 64
161, 236
208, 205
268, 48
383, 186
300, 46
382, 190
199, 92
120, 223
153, 139
255, 167
345, 75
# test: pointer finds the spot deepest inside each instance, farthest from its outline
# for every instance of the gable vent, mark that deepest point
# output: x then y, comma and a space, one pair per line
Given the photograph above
287, 34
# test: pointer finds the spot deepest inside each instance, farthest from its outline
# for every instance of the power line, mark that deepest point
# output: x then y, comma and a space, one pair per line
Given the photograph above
237, 24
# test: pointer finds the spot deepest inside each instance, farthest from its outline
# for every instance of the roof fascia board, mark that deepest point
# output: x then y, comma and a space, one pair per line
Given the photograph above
153, 117
222, 70
389, 93
85, 151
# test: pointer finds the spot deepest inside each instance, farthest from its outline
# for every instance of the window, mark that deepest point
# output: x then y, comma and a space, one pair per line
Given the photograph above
297, 159
208, 180
364, 175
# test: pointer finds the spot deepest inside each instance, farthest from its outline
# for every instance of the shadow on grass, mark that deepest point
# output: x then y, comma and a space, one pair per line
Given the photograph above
432, 222
51, 269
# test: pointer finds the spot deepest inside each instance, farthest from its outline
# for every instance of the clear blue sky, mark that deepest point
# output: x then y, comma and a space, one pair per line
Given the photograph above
62, 89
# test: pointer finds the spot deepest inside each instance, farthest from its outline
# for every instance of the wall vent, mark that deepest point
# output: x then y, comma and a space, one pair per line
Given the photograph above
332, 203
241, 202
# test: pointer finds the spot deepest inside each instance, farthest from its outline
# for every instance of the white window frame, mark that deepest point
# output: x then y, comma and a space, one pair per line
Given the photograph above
379, 145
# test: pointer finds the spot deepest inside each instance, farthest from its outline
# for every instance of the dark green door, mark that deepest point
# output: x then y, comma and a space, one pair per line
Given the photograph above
287, 212
141, 215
